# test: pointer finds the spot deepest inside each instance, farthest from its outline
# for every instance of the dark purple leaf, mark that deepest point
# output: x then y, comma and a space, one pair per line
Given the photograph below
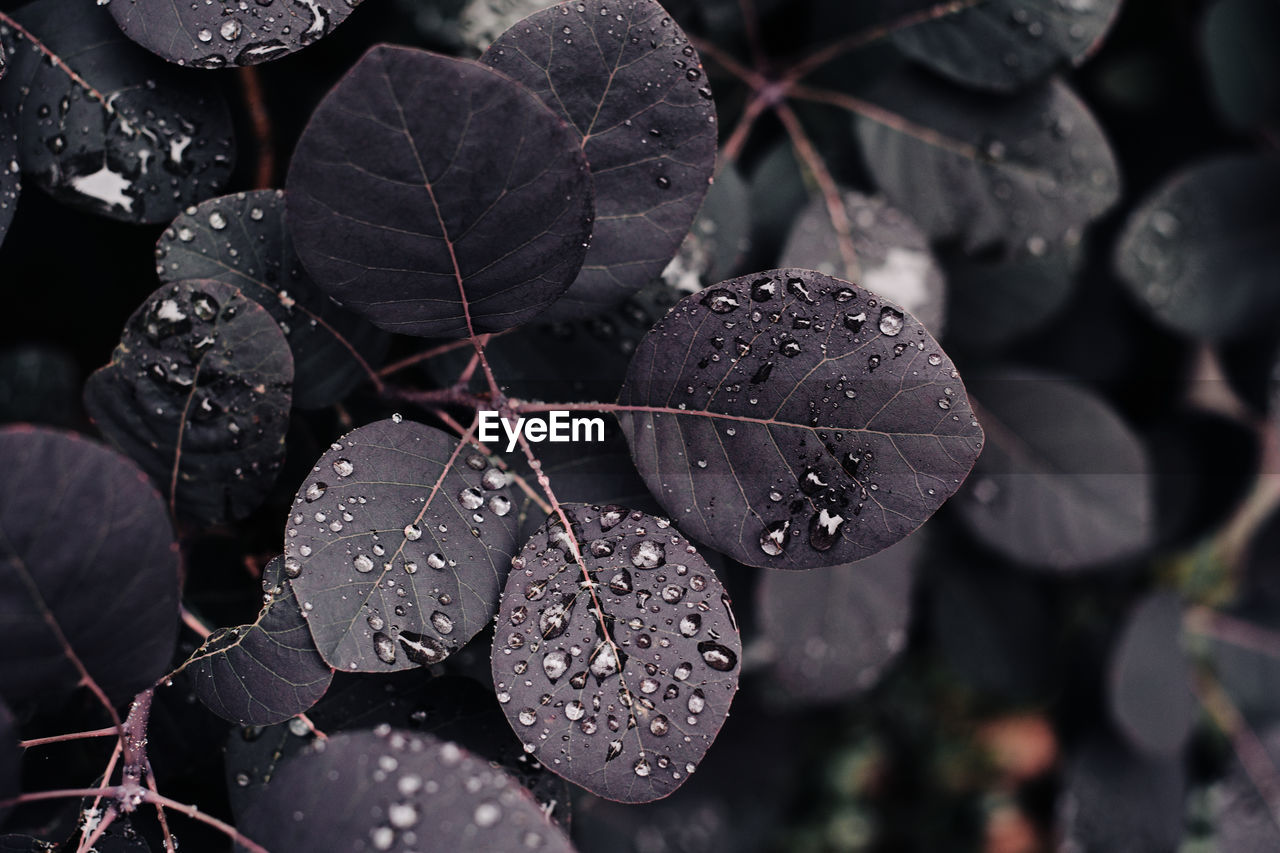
631, 87
399, 544
1237, 43
132, 138
198, 393
1029, 171
1150, 695
1002, 45
10, 177
209, 35
636, 644
265, 672
413, 192
893, 254
792, 420
1201, 253
834, 631
241, 240
90, 569
1063, 483
10, 758
397, 791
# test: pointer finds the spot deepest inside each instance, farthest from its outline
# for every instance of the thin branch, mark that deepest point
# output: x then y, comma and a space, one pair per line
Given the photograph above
733, 146
749, 76
87, 840
169, 845
255, 102
1207, 622
464, 378
1245, 742
194, 622
826, 185
751, 27
426, 355
106, 775
114, 791
438, 396
110, 731
195, 814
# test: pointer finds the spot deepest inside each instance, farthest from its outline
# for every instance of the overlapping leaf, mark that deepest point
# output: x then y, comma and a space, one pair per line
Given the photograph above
398, 546
241, 240
1237, 42
265, 672
719, 237
1150, 694
631, 86
106, 127
430, 194
616, 672
209, 35
1063, 483
1026, 171
10, 177
1201, 252
88, 567
1002, 45
893, 255
198, 393
836, 630
397, 791
792, 420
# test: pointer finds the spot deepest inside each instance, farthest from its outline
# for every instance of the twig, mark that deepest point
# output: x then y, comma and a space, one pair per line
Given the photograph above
1207, 622
195, 814
427, 355
733, 146
749, 76
41, 741
260, 119
751, 27
194, 622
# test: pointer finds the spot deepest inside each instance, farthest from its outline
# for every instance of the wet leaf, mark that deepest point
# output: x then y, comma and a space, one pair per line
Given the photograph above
1002, 45
836, 630
1200, 253
1237, 42
397, 791
1063, 483
213, 36
10, 174
241, 240
399, 543
792, 420
1150, 694
482, 22
1029, 171
632, 88
198, 394
128, 136
91, 569
410, 192
265, 672
616, 673
893, 254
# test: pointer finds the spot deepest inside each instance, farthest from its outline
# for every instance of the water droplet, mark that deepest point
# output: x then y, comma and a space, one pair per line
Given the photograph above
575, 710
648, 554
363, 563
719, 300
217, 221
774, 538
824, 529
384, 648
402, 815
555, 665
292, 567
891, 321
470, 498
343, 467
421, 649
230, 29
499, 505
436, 561
697, 701
487, 814
412, 532
494, 478
205, 36
716, 656
642, 767
441, 622
527, 716
690, 624
659, 726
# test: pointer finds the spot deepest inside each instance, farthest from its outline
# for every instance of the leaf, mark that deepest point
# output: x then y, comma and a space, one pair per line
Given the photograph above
482, 22
10, 177
791, 420
398, 546
10, 759
213, 36
106, 127
90, 569
632, 88
397, 791
1150, 694
1063, 484
241, 240
266, 672
637, 644
198, 394
1029, 171
718, 238
1237, 45
411, 190
1002, 45
836, 630
1199, 252
894, 255
1243, 819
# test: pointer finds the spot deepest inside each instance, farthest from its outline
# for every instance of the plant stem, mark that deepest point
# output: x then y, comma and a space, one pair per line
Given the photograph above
110, 731
259, 117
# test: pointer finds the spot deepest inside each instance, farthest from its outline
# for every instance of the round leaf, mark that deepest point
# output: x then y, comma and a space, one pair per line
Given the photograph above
396, 791
1002, 45
127, 136
90, 569
266, 672
399, 543
836, 630
1150, 679
1238, 42
1029, 171
411, 194
198, 393
633, 91
1063, 483
211, 35
617, 671
792, 420
1201, 252
892, 252
241, 240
